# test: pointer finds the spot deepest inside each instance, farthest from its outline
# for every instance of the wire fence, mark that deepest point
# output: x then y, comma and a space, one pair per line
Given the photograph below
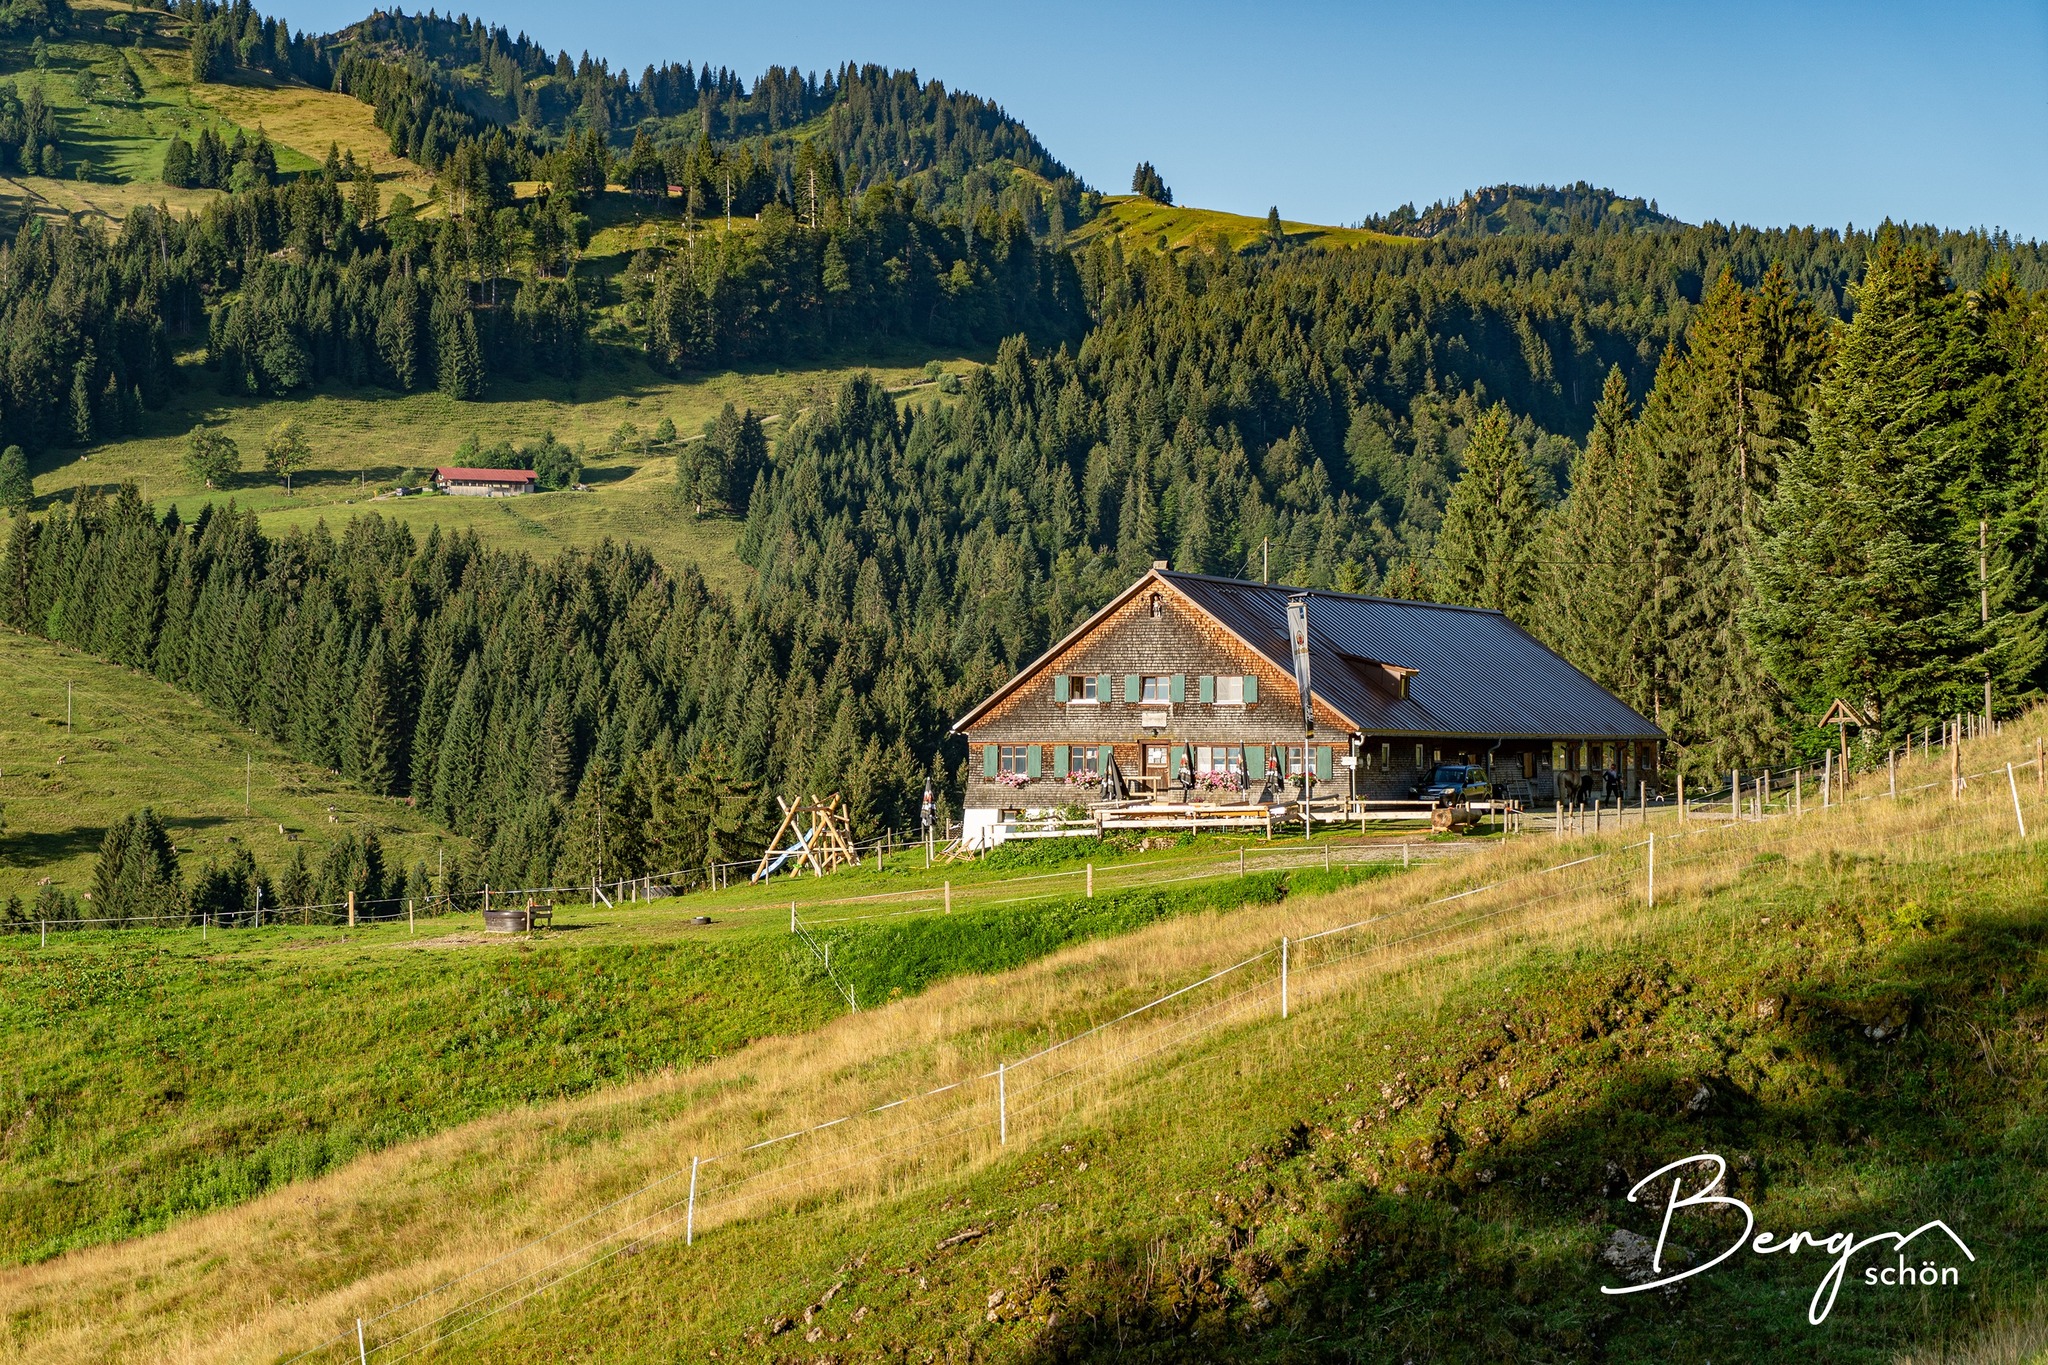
359, 912
974, 1112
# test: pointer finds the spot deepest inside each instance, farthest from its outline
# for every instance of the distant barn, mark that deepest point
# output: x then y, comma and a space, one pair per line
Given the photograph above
484, 483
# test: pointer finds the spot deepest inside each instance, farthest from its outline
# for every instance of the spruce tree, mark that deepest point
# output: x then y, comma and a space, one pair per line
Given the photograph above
460, 361
461, 759
17, 490
111, 865
1721, 414
1487, 550
1866, 590
372, 757
1597, 607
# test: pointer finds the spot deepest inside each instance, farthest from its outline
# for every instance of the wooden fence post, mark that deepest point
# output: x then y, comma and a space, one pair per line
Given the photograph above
351, 908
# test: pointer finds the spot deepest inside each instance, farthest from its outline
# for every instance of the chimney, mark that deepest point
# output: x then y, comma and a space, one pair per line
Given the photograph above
1158, 563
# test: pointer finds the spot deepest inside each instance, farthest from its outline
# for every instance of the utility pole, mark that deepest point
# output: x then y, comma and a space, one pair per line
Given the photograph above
1265, 559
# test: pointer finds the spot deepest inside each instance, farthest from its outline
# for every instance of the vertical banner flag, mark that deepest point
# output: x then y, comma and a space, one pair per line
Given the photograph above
1297, 634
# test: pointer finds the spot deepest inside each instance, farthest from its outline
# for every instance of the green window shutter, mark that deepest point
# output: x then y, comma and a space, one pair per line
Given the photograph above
1131, 684
1102, 688
1179, 687
1255, 762
1033, 759
1059, 760
1322, 760
1251, 687
1103, 758
988, 760
1059, 687
1207, 684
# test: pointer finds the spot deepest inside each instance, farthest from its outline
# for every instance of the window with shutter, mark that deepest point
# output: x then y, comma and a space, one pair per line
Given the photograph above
1229, 690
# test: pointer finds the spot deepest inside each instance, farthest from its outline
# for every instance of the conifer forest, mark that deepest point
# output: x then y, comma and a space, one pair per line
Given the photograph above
1730, 472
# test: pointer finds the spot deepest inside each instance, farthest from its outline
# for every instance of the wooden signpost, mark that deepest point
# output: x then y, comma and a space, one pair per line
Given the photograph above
1842, 715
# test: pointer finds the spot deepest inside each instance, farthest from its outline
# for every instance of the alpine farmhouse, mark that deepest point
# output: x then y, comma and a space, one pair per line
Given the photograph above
1184, 687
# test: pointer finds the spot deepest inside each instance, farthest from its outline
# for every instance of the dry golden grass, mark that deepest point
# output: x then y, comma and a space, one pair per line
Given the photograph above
287, 1271
113, 202
1143, 223
2018, 1339
308, 120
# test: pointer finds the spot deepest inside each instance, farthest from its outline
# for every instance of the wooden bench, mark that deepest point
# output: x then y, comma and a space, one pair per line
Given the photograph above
1193, 816
1364, 810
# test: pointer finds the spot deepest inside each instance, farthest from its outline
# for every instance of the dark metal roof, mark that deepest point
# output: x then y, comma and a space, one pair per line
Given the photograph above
1476, 672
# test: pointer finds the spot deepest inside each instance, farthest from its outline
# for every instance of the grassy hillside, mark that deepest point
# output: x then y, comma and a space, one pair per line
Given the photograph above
1424, 1161
116, 144
1139, 222
135, 742
183, 1077
366, 440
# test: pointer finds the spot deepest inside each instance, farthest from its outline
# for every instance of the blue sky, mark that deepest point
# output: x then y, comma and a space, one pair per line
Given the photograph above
1769, 114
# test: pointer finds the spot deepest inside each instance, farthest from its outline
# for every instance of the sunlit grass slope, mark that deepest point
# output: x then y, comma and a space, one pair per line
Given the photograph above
135, 742
364, 441
181, 1073
1139, 222
115, 144
1423, 1161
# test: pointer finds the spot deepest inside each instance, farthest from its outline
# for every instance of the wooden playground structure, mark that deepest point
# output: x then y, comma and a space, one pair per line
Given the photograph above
814, 836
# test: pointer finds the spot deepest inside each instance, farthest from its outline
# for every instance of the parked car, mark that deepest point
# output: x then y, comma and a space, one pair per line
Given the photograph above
1454, 784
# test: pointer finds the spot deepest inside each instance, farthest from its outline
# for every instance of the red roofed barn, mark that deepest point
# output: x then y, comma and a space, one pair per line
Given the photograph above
484, 483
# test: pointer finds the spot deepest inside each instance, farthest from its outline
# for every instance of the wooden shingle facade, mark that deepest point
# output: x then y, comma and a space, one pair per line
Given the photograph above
1184, 682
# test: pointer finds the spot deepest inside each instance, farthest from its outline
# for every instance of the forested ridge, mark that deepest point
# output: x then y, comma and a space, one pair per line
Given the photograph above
1342, 409
1733, 473
436, 80
297, 284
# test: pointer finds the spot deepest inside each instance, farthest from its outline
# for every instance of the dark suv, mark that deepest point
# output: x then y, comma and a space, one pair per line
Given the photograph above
1454, 783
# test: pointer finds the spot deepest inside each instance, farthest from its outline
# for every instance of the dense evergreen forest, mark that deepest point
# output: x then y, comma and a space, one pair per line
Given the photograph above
727, 145
293, 284
1730, 510
1733, 473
